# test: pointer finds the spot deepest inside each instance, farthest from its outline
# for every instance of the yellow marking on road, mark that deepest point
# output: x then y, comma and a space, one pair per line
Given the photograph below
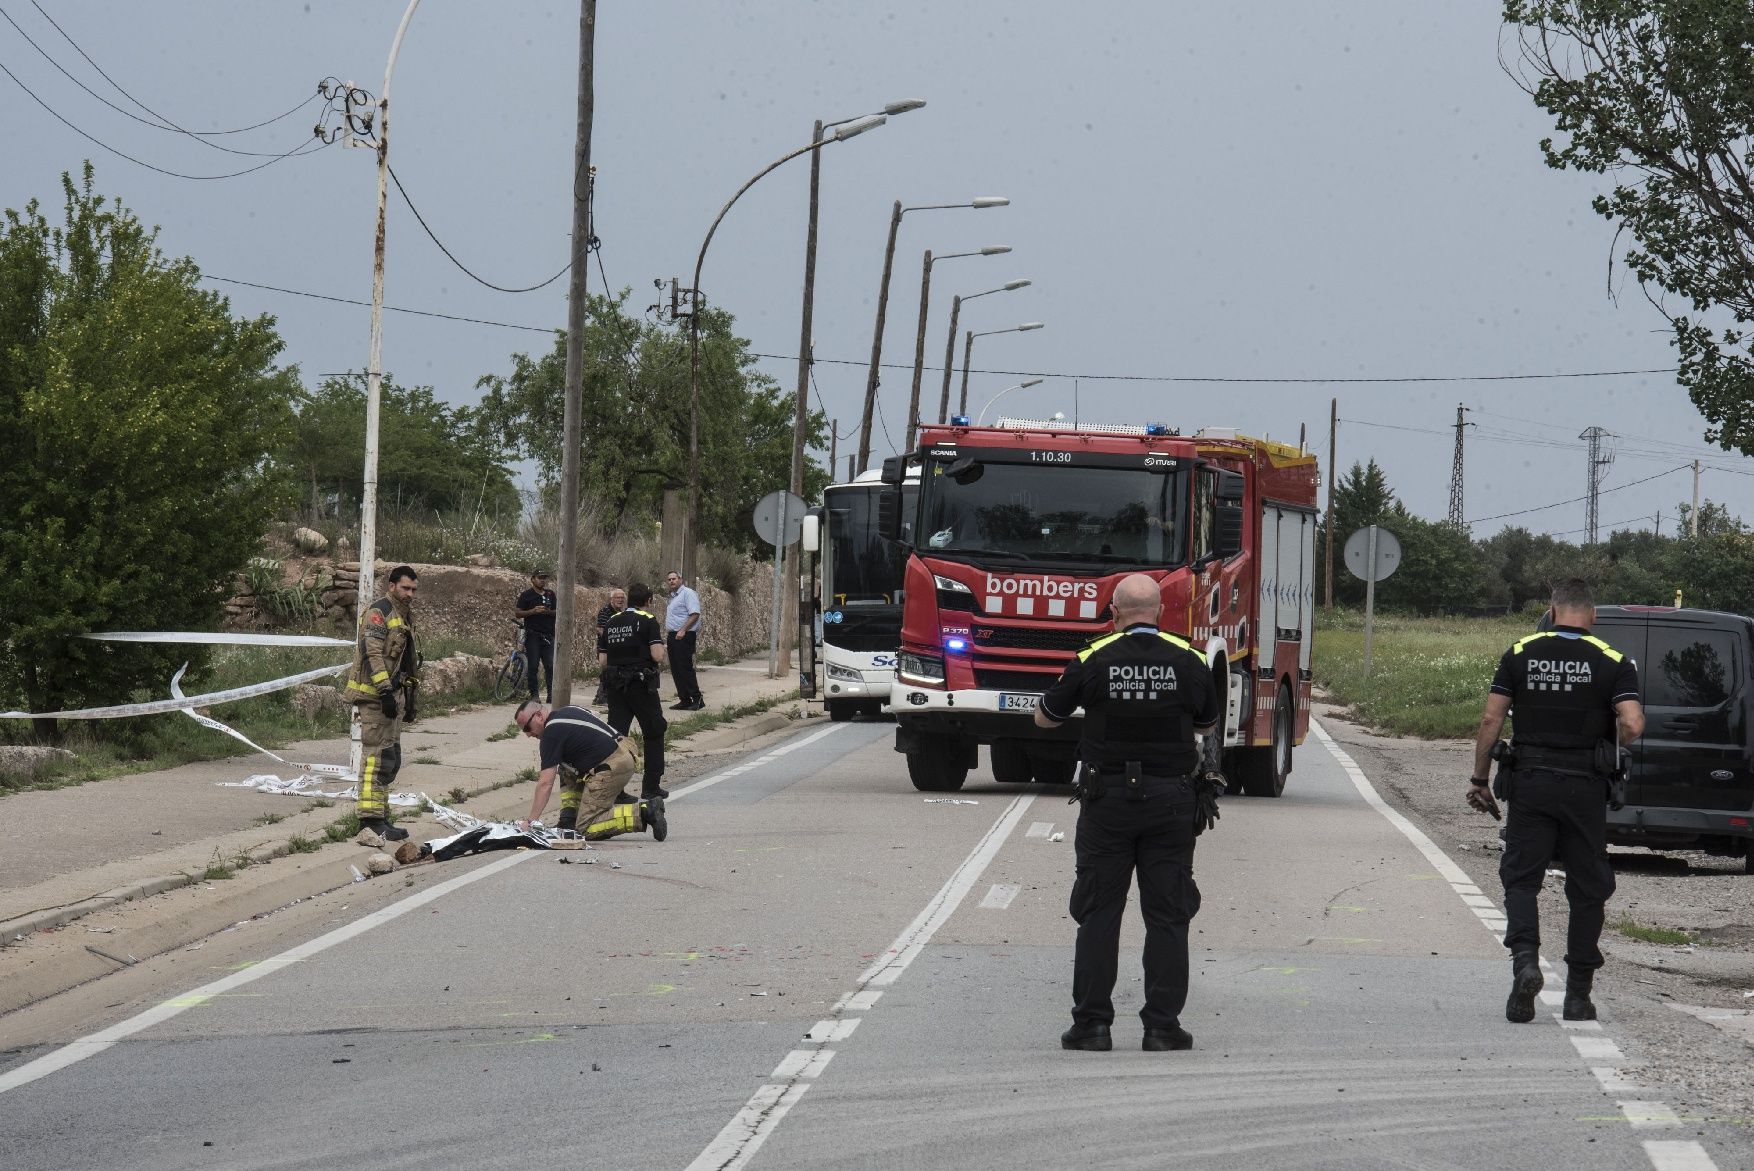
1287, 971
680, 955
1354, 910
660, 989
242, 966
192, 1001
760, 850
517, 1041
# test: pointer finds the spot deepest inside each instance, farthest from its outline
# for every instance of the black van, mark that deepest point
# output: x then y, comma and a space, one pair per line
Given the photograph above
1691, 785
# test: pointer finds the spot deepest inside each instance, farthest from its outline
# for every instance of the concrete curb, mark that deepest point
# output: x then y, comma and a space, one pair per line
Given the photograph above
14, 929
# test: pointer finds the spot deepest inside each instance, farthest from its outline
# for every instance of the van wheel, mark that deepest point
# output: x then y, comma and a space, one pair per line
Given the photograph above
1262, 771
1010, 762
938, 767
1748, 859
1051, 771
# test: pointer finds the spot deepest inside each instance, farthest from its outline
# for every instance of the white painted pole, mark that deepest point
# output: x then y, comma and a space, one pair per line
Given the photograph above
1369, 596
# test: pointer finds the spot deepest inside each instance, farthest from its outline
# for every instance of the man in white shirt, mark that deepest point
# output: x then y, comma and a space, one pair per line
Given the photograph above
682, 633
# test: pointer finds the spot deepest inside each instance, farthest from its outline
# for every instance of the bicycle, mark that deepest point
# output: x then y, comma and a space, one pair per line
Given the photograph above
514, 675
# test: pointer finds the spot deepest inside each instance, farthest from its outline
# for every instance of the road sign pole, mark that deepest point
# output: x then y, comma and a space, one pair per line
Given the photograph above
779, 551
1369, 599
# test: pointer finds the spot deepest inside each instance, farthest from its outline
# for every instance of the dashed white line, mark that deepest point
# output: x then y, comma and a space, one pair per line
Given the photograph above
802, 1063
1672, 1155
1613, 1080
828, 1032
999, 896
1598, 1050
1644, 1115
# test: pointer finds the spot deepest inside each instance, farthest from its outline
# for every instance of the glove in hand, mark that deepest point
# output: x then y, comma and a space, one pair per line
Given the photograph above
387, 701
1207, 787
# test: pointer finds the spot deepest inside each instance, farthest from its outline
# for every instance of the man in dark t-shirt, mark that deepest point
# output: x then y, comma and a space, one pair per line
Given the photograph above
536, 608
616, 604
593, 764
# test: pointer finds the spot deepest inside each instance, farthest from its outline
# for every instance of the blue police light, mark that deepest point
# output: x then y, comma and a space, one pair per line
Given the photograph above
1157, 428
959, 420
955, 644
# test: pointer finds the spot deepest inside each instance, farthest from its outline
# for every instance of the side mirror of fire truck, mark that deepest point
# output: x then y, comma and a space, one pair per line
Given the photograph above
889, 499
1228, 535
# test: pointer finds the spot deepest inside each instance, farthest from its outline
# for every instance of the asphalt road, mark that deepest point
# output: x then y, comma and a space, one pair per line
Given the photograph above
823, 969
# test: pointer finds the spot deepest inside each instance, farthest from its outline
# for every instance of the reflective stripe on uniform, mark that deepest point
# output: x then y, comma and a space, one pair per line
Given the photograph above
1166, 636
380, 676
361, 688
394, 621
1613, 655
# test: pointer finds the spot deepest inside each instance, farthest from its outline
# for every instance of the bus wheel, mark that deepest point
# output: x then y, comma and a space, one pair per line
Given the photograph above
841, 709
1262, 771
1010, 762
938, 767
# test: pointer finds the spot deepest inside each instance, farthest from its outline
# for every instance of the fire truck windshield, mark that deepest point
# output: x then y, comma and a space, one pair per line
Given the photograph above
977, 507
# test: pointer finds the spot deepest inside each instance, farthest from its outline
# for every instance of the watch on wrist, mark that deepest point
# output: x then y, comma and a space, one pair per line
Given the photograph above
1481, 781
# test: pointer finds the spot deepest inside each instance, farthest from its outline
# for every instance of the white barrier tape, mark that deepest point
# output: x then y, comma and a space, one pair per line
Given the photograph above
308, 786
330, 770
159, 706
227, 638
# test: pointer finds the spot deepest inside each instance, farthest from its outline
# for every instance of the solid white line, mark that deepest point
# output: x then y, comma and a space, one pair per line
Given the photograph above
999, 897
802, 1063
764, 759
858, 1001
1645, 1114
97, 1042
761, 1115
1672, 1155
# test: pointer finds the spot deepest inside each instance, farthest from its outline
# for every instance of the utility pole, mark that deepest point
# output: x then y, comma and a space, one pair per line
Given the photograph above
1328, 571
1596, 472
913, 402
1455, 474
833, 447
1693, 517
790, 572
871, 378
571, 423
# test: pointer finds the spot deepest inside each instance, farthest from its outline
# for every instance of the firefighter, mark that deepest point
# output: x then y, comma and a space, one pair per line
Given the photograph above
593, 763
629, 652
1576, 698
1146, 694
381, 687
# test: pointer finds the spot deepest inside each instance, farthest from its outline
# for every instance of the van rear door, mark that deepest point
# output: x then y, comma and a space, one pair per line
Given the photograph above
1694, 676
1626, 633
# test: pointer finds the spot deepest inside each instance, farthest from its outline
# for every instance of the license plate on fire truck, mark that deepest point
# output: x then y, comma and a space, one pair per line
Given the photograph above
1012, 701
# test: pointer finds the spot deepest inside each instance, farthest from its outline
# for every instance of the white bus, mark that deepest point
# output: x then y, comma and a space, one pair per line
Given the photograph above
861, 599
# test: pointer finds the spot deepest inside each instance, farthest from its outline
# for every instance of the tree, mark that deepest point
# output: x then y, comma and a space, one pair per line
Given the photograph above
1660, 94
635, 418
1361, 497
445, 458
138, 425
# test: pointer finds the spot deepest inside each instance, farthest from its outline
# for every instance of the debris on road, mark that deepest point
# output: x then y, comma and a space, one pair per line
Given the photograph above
1057, 836
951, 801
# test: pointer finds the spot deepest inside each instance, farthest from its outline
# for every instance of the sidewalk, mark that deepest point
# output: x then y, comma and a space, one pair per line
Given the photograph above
82, 849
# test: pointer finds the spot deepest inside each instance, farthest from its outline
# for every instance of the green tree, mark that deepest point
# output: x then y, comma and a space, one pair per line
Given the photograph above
138, 426
636, 414
429, 454
1361, 497
1660, 95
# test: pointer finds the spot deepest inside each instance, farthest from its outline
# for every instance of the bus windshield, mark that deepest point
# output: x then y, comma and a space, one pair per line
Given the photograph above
1122, 515
862, 567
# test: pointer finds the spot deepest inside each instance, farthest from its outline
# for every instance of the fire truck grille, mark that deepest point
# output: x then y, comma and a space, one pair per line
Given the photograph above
990, 679
1031, 638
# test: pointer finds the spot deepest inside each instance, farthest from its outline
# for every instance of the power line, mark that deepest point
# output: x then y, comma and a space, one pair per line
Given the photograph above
388, 308
1190, 378
403, 191
309, 147
1576, 499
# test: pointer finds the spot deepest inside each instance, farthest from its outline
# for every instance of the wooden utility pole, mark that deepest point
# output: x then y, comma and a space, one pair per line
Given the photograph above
571, 425
1328, 571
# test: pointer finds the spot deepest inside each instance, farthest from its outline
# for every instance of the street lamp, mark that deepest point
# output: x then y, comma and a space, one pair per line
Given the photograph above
840, 133
796, 481
913, 402
950, 340
871, 378
968, 349
1002, 394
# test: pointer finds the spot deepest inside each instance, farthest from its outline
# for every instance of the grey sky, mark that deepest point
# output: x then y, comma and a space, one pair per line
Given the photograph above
1277, 190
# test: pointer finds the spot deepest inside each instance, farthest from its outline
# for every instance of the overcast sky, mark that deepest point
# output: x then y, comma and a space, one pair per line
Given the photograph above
1296, 190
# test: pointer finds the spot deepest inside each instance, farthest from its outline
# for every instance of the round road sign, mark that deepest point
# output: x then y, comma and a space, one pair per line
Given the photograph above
1358, 553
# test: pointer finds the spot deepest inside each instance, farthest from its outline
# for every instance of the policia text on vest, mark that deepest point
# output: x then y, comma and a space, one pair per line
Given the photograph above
630, 651
1573, 699
1146, 695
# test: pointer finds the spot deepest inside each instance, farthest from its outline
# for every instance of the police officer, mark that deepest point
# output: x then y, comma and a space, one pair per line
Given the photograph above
1146, 693
1573, 694
593, 763
380, 686
629, 652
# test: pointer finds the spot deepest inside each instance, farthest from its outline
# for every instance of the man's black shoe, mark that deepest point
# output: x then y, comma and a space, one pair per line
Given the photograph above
699, 705
393, 833
653, 809
682, 707
1164, 1040
1091, 1038
1578, 1008
1526, 982
660, 791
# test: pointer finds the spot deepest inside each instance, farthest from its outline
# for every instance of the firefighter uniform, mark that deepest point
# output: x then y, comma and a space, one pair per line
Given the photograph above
384, 665
1563, 685
1144, 691
630, 681
594, 764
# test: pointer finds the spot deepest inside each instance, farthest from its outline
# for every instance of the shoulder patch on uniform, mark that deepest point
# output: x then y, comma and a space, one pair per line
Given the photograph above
1097, 644
1613, 655
375, 617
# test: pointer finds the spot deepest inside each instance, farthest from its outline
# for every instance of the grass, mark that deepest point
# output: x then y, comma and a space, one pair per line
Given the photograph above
269, 819
1429, 675
299, 844
457, 795
507, 733
1663, 935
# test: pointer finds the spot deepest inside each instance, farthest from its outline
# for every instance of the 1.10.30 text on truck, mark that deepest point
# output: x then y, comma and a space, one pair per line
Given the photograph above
1014, 545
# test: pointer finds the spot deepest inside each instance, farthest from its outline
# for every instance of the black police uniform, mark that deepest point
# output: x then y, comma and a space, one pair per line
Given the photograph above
1143, 691
1563, 684
630, 680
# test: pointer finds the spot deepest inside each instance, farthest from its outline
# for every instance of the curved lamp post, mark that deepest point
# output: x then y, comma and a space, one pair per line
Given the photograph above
950, 340
968, 350
840, 133
913, 402
1032, 382
871, 378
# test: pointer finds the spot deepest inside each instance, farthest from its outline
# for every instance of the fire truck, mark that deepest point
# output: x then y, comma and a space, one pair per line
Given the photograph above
1014, 543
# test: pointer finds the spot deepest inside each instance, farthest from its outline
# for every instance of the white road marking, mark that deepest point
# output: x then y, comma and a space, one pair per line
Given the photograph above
999, 897
1603, 1054
737, 1143
1580, 1026
95, 1043
828, 1032
858, 1001
1039, 829
1670, 1155
802, 1063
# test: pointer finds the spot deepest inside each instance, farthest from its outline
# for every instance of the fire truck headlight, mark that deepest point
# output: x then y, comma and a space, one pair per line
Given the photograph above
920, 668
847, 674
950, 584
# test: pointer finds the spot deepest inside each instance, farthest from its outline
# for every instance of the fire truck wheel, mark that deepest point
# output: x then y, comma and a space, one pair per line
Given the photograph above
938, 767
1262, 771
1010, 761
1049, 771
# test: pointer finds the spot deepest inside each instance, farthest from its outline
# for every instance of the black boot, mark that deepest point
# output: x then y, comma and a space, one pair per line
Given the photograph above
393, 833
1577, 994
377, 825
656, 822
1526, 982
1091, 1038
1164, 1040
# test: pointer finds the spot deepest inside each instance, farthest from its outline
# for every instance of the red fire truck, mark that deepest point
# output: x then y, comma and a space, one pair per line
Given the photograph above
1015, 543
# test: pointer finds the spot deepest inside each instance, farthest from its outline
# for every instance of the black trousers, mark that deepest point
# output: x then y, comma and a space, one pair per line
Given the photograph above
681, 650
1555, 814
638, 701
539, 652
1117, 836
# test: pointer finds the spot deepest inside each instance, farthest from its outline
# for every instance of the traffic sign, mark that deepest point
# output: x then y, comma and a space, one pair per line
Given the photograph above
1372, 553
777, 509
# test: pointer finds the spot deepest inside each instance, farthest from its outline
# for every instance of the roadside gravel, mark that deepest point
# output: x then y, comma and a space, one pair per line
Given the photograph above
1679, 1011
